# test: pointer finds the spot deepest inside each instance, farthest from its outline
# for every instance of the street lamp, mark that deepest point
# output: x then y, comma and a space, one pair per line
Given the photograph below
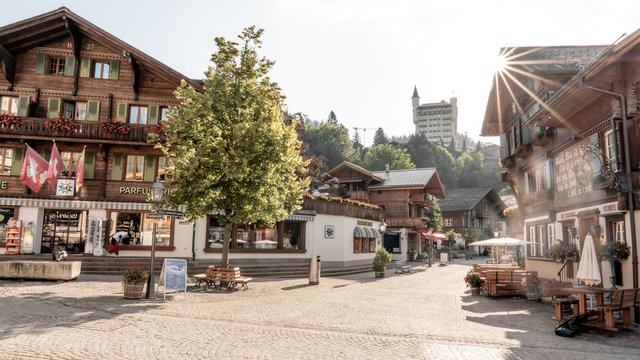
157, 191
382, 227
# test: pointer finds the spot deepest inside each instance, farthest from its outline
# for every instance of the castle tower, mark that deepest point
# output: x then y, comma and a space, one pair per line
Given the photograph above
415, 102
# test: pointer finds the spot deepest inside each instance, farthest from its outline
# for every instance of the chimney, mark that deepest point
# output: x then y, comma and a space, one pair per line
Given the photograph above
386, 168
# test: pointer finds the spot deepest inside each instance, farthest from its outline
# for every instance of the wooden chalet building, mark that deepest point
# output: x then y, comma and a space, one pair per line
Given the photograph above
404, 195
477, 210
568, 120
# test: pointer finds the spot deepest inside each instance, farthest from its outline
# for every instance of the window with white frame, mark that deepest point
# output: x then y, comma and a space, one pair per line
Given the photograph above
618, 231
551, 235
610, 150
542, 229
8, 105
532, 241
447, 221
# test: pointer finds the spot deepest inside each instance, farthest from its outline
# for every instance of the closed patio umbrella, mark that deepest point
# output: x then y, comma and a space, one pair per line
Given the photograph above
588, 269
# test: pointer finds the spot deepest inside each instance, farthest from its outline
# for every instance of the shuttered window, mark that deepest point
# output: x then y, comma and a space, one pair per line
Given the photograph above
6, 161
101, 70
150, 167
53, 107
596, 166
9, 105
70, 66
152, 116
93, 110
138, 114
24, 101
89, 164
114, 69
85, 67
18, 157
121, 113
116, 168
41, 63
135, 168
548, 174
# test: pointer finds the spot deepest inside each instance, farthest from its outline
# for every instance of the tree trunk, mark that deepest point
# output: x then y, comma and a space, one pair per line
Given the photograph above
226, 243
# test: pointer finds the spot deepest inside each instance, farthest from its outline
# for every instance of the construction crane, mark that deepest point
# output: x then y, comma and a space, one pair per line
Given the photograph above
364, 132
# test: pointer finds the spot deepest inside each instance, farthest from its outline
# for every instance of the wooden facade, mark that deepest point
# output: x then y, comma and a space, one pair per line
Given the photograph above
58, 64
478, 211
569, 149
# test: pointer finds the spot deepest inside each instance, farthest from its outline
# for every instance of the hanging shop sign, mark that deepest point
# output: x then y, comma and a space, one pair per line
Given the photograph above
65, 187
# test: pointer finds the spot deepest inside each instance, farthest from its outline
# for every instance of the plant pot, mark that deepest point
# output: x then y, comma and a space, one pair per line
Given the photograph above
133, 290
533, 296
379, 274
475, 291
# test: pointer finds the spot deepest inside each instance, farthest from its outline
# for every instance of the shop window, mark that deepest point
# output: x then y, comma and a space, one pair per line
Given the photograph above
135, 168
363, 245
285, 235
6, 161
140, 229
138, 114
5, 215
9, 105
215, 235
291, 235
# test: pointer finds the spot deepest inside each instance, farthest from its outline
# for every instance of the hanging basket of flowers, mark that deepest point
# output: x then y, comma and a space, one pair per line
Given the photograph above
62, 124
617, 250
117, 127
10, 121
562, 250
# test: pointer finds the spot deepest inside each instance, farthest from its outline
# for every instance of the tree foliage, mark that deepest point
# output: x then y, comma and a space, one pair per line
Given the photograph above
380, 138
330, 140
380, 155
233, 153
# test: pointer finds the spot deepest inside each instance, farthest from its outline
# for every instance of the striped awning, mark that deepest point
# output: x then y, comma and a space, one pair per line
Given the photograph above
75, 204
359, 232
371, 233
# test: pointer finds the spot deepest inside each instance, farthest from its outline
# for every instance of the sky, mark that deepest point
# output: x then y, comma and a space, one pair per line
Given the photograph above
359, 58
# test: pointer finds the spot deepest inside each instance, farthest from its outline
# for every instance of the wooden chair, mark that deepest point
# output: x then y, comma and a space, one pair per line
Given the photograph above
560, 301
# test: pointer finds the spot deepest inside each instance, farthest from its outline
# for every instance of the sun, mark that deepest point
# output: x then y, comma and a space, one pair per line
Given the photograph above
499, 63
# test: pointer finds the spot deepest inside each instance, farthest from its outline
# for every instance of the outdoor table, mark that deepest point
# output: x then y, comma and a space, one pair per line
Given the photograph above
581, 292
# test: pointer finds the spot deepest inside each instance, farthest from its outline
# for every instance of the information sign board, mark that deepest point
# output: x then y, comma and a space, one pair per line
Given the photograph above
173, 275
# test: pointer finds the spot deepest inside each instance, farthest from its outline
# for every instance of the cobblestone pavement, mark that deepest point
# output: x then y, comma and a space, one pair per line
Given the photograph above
427, 314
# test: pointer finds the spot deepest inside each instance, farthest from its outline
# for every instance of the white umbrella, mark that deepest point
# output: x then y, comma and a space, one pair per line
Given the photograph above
499, 241
588, 269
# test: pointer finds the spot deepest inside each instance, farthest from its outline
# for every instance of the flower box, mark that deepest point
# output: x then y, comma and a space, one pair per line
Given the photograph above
10, 121
117, 127
62, 124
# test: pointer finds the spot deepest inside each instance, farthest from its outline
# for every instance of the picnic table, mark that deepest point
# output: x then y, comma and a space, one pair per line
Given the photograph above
222, 277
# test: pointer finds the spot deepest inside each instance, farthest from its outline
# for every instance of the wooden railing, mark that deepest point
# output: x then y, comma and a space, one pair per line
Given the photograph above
34, 128
341, 209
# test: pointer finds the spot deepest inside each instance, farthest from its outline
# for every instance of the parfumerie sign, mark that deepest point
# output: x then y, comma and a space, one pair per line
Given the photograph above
136, 190
4, 185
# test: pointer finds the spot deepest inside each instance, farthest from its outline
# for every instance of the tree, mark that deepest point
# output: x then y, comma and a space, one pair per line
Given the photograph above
380, 155
233, 154
445, 164
433, 217
332, 119
421, 151
329, 140
380, 137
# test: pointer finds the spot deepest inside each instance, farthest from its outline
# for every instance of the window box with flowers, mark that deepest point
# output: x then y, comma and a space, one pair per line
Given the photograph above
116, 127
562, 250
62, 124
616, 250
157, 132
10, 121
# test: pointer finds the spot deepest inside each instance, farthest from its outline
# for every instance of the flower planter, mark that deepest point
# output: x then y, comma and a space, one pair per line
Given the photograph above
133, 290
475, 291
379, 274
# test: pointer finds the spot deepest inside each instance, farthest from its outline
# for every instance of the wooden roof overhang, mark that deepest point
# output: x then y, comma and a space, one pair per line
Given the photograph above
433, 187
62, 23
367, 175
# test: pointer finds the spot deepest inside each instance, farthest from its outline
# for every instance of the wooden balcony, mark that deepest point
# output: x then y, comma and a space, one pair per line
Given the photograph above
88, 131
341, 209
359, 195
404, 222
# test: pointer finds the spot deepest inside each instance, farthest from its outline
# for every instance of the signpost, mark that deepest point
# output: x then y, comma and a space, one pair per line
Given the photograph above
154, 216
170, 212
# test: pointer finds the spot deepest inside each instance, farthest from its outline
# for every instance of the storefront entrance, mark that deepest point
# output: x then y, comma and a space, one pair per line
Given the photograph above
63, 228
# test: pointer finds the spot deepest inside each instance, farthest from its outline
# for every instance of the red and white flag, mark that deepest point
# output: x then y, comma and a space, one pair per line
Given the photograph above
34, 170
55, 167
80, 172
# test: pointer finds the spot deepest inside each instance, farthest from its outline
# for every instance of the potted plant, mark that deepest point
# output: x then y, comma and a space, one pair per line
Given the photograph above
562, 250
530, 285
474, 281
411, 255
133, 280
380, 261
117, 127
62, 124
616, 250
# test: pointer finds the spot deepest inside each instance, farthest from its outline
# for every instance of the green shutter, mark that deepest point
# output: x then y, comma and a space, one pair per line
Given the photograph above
595, 160
23, 105
18, 157
41, 62
69, 65
53, 107
114, 69
121, 114
149, 168
89, 164
152, 115
85, 66
504, 146
116, 170
524, 132
93, 110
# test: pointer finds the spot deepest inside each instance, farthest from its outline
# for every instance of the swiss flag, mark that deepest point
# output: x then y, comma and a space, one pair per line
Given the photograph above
80, 172
34, 170
55, 167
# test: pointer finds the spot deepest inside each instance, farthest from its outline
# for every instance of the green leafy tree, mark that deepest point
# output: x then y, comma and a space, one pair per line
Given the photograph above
380, 138
446, 166
233, 153
379, 155
421, 151
332, 119
330, 140
433, 217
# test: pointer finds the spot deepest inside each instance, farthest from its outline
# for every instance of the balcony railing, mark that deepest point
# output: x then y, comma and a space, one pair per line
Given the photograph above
34, 128
404, 222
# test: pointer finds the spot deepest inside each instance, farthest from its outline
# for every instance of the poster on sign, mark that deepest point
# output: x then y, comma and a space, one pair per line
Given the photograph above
173, 276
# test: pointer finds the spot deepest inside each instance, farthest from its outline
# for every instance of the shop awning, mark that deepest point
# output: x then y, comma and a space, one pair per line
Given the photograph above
364, 232
433, 235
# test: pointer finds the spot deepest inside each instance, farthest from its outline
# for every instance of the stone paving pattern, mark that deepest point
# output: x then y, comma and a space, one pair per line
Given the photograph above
427, 314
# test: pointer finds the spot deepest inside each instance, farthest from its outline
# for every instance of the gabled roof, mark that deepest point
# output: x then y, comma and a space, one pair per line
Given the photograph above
356, 168
62, 23
410, 177
466, 199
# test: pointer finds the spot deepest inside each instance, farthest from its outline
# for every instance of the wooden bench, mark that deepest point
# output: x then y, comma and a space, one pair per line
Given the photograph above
506, 282
621, 300
551, 289
222, 277
402, 267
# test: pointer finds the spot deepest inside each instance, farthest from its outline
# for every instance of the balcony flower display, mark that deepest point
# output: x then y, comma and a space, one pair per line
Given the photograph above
10, 121
157, 132
62, 124
338, 199
616, 250
112, 126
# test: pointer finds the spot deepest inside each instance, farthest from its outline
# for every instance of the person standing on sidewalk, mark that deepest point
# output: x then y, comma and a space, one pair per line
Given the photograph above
115, 240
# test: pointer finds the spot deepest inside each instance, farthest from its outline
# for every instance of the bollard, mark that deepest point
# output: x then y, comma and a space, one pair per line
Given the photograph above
314, 270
